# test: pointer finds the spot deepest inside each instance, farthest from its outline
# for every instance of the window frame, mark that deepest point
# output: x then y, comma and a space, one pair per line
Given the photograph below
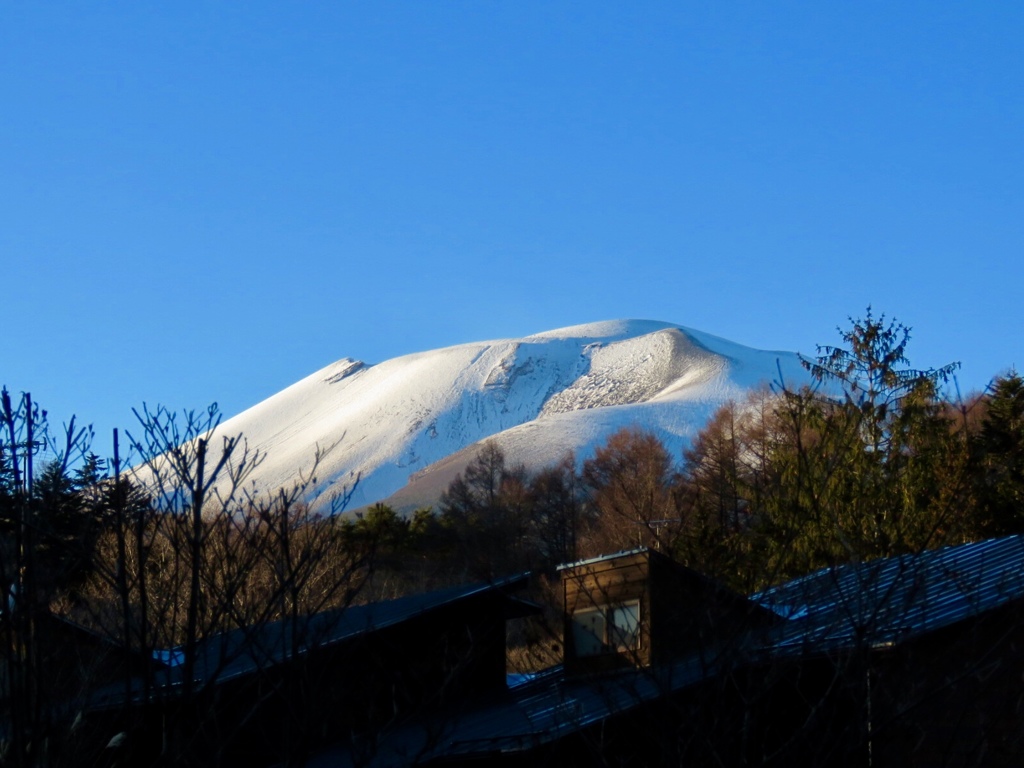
615, 636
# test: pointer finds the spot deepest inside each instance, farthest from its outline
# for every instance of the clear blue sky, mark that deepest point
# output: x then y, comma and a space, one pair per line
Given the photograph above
207, 201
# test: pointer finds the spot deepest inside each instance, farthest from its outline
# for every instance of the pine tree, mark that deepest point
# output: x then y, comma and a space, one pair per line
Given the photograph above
1000, 457
870, 464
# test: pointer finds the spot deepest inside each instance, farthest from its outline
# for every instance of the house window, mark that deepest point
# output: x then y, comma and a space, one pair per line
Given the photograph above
588, 631
624, 631
607, 629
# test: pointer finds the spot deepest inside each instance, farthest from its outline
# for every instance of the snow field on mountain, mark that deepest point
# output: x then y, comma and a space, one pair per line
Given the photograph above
539, 396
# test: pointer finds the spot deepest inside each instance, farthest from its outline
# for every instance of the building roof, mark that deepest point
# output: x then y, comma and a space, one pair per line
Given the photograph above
247, 650
890, 599
542, 711
250, 649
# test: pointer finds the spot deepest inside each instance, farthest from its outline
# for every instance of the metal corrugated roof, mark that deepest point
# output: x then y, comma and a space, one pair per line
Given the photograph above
243, 651
542, 711
892, 598
558, 706
249, 649
226, 655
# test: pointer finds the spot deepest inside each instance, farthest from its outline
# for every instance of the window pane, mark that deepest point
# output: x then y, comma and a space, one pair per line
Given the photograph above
624, 633
588, 632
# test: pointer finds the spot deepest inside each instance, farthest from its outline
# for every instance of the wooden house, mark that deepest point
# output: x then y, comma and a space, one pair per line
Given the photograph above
912, 660
639, 608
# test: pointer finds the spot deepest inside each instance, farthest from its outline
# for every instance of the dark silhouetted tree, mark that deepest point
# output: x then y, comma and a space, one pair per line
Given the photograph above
1000, 457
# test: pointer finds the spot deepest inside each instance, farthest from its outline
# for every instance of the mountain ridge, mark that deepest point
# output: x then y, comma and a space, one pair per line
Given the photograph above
406, 418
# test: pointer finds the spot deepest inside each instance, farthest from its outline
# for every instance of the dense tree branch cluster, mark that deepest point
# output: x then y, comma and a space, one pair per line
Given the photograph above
154, 558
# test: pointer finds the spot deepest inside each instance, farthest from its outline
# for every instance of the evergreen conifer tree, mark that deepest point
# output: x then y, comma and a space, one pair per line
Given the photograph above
1000, 452
869, 463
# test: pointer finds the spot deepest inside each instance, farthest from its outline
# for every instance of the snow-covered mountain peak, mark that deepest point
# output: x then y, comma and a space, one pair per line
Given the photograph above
604, 330
538, 396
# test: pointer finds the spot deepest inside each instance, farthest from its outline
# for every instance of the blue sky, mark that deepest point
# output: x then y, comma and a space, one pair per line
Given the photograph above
208, 201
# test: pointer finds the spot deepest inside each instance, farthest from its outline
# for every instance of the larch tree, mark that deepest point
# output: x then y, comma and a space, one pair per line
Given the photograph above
630, 481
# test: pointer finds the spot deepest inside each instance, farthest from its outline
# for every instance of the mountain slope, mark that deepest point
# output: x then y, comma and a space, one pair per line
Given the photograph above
537, 396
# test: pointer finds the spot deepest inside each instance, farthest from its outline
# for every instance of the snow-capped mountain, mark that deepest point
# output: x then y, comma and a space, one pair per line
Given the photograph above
419, 417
